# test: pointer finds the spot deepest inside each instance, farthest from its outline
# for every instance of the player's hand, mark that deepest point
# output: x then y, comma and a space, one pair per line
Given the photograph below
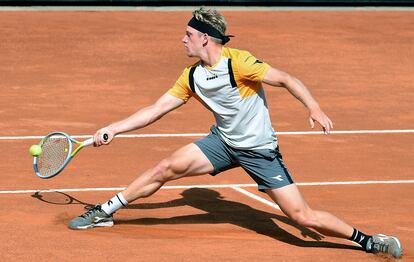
103, 136
317, 115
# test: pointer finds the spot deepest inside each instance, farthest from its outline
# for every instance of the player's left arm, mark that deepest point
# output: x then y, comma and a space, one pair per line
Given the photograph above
275, 77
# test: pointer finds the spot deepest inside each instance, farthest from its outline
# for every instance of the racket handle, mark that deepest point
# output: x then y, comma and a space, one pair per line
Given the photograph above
88, 142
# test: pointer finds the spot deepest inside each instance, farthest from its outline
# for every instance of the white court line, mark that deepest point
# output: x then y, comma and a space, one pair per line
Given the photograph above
341, 132
256, 197
206, 186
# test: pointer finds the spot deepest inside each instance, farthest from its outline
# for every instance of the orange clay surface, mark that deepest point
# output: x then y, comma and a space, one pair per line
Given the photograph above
79, 71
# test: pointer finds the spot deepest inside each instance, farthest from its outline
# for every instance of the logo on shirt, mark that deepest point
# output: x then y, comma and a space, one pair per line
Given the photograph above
258, 62
212, 77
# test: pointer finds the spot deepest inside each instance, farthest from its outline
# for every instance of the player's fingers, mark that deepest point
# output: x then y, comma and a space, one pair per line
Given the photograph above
99, 138
326, 129
329, 125
311, 122
96, 139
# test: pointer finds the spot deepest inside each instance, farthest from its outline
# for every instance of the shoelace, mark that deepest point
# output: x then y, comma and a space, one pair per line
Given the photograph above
90, 211
380, 247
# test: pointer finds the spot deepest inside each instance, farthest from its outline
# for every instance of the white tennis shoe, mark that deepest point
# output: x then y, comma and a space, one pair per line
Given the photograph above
94, 217
385, 244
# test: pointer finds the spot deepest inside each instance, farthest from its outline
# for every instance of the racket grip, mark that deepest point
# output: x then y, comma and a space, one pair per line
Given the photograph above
88, 142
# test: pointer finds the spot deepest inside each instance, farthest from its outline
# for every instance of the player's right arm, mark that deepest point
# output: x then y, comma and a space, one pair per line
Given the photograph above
174, 98
140, 119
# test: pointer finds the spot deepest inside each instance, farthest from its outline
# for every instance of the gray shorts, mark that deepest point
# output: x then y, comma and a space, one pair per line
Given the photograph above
265, 166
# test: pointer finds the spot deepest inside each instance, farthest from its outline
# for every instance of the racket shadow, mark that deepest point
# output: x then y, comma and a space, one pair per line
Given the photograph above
220, 211
60, 198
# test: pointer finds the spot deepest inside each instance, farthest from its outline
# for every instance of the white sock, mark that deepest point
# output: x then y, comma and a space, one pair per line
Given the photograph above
115, 203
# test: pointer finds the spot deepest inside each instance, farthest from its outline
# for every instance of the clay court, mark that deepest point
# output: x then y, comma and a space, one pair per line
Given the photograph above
77, 71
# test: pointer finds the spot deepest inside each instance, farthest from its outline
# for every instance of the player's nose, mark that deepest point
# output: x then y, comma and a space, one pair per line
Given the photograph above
184, 39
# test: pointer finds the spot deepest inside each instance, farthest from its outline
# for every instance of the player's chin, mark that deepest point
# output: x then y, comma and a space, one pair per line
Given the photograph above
189, 53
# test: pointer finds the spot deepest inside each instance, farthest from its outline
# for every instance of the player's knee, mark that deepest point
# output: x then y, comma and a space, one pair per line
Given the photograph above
168, 169
160, 171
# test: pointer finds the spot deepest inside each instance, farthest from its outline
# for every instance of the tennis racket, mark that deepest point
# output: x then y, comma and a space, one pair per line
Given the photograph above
58, 149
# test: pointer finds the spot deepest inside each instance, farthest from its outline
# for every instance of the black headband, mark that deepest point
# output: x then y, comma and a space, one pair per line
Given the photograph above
208, 29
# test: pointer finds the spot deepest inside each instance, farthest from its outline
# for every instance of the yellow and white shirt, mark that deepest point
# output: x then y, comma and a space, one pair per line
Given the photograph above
232, 90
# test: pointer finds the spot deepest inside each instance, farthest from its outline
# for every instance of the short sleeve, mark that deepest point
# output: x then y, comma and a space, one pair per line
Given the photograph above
251, 68
181, 88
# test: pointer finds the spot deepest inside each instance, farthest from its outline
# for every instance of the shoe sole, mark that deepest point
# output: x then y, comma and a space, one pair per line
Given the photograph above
101, 224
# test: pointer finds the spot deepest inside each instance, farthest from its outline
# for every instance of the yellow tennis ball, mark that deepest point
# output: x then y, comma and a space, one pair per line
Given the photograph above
35, 150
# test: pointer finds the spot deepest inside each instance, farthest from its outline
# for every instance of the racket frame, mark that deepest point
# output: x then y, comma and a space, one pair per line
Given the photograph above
70, 154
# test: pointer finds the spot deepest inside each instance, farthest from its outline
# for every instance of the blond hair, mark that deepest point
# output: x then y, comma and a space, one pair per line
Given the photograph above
212, 18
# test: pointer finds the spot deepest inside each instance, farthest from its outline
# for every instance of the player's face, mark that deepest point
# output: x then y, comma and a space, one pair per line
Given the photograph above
193, 41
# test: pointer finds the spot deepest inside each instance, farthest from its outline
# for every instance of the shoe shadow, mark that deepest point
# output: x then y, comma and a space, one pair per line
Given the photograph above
220, 211
60, 198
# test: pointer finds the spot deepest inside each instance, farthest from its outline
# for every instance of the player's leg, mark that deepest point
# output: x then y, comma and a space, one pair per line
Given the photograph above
187, 161
292, 203
207, 155
267, 168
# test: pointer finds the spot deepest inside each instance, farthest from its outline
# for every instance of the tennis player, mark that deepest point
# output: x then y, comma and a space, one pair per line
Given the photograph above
228, 82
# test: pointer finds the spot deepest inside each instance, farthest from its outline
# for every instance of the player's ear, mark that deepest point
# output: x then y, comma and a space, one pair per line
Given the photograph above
205, 39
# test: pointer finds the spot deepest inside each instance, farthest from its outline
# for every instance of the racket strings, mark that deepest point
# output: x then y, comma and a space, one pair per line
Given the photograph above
55, 151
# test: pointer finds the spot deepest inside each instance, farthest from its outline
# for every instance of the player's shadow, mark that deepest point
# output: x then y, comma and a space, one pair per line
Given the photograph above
220, 211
